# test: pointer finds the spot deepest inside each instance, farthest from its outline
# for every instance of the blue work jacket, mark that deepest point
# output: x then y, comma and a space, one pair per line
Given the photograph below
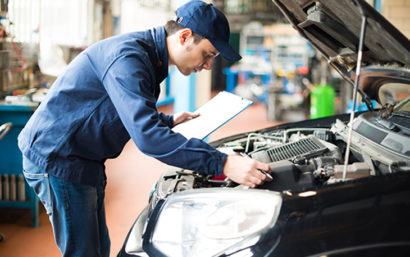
106, 96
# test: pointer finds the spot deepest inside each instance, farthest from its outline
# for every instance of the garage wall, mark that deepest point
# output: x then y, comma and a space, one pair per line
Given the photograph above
137, 15
397, 12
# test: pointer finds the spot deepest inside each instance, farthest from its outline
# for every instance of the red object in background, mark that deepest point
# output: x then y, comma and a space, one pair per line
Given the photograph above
303, 70
241, 79
23, 61
19, 92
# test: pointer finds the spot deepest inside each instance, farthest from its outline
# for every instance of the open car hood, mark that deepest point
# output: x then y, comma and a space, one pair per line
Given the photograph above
333, 28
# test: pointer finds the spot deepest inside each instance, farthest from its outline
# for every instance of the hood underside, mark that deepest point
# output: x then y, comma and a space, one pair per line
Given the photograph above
333, 28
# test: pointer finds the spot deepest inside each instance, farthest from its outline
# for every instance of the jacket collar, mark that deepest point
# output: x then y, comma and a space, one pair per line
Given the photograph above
159, 36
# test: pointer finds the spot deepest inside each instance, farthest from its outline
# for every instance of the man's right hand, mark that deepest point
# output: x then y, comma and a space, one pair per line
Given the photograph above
245, 171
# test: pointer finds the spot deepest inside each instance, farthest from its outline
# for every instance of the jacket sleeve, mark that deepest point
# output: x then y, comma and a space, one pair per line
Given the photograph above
130, 86
167, 119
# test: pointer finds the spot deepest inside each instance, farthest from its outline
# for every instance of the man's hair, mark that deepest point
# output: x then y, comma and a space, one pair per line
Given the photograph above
172, 27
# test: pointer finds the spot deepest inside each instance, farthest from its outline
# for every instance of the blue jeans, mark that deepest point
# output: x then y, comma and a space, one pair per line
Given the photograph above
76, 212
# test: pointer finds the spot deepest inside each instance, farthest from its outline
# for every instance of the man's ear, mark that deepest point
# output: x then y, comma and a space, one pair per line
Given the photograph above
184, 35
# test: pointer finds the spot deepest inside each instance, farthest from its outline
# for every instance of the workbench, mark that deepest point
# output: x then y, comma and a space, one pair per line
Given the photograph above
15, 192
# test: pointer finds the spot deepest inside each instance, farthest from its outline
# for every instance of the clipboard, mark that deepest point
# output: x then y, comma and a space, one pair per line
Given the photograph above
213, 114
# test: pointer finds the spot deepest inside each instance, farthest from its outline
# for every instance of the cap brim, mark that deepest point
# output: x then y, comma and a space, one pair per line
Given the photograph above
226, 51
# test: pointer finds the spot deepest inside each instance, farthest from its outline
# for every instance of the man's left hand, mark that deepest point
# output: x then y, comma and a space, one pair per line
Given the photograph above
184, 116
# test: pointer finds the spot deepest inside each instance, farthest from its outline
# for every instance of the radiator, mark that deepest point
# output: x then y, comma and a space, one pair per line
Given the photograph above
12, 188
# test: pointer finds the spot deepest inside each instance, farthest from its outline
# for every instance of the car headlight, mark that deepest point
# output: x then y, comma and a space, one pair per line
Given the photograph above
206, 222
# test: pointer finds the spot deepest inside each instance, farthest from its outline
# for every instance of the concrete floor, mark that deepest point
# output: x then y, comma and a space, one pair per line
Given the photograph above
130, 178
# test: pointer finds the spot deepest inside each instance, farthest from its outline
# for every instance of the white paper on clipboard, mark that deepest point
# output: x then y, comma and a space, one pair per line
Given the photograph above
213, 114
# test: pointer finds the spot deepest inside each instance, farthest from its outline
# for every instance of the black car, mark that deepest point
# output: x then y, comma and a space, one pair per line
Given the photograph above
341, 184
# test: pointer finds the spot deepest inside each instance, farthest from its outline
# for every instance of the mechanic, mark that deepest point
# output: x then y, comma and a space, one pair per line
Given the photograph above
108, 95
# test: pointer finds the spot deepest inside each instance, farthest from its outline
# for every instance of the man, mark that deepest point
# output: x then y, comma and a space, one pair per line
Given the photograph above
108, 95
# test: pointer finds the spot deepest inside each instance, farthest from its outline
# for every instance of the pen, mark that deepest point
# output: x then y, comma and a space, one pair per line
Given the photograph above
264, 172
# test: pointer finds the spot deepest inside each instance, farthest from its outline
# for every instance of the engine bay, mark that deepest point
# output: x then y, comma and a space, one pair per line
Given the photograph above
304, 158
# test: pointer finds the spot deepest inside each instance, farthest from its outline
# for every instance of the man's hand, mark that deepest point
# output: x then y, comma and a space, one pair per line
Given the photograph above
184, 116
245, 171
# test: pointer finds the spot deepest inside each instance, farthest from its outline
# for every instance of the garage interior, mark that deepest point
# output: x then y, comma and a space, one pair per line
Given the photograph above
38, 40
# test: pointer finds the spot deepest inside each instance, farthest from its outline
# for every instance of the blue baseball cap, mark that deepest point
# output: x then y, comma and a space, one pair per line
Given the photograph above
209, 22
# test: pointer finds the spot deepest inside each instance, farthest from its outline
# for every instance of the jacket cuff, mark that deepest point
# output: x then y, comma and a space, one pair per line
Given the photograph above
221, 162
167, 119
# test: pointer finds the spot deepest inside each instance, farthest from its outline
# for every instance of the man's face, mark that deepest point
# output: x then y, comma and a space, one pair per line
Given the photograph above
194, 57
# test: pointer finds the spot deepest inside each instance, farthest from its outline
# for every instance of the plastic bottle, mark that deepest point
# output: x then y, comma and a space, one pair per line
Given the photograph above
322, 101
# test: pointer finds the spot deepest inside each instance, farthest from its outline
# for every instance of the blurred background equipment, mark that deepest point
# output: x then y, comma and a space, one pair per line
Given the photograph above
15, 74
275, 60
14, 193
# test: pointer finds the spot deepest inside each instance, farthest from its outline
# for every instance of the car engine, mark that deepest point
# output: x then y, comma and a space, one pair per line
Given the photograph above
305, 158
